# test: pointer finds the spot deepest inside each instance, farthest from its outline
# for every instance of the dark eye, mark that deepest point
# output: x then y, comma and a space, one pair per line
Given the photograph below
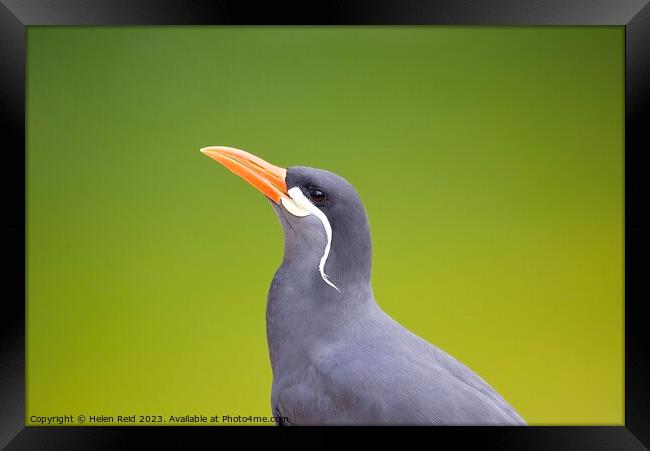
317, 196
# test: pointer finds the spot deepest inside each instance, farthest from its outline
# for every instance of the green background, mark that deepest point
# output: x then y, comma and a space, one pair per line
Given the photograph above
490, 162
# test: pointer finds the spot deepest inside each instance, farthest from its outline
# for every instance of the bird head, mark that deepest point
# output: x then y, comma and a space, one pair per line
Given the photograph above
327, 238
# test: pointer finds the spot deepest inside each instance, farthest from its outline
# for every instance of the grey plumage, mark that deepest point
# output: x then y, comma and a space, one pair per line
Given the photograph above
337, 358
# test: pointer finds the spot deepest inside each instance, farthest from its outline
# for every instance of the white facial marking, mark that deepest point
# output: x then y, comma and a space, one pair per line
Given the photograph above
292, 207
304, 203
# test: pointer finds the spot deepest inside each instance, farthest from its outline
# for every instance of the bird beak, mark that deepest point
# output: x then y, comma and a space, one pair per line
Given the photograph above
264, 176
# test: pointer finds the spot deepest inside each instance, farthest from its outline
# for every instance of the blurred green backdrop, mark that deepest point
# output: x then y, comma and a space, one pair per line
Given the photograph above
490, 161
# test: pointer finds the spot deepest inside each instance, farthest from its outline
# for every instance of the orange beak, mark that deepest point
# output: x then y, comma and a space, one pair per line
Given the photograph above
267, 178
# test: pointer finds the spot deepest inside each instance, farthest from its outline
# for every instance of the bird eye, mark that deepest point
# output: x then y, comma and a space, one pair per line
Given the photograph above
317, 196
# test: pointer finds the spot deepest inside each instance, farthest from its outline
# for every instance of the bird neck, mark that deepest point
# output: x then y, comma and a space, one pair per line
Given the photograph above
303, 310
347, 266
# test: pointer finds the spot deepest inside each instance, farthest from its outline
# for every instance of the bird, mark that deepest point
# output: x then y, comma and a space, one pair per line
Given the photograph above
336, 357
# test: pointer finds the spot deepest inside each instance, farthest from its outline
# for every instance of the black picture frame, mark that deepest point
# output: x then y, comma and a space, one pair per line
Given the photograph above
634, 15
